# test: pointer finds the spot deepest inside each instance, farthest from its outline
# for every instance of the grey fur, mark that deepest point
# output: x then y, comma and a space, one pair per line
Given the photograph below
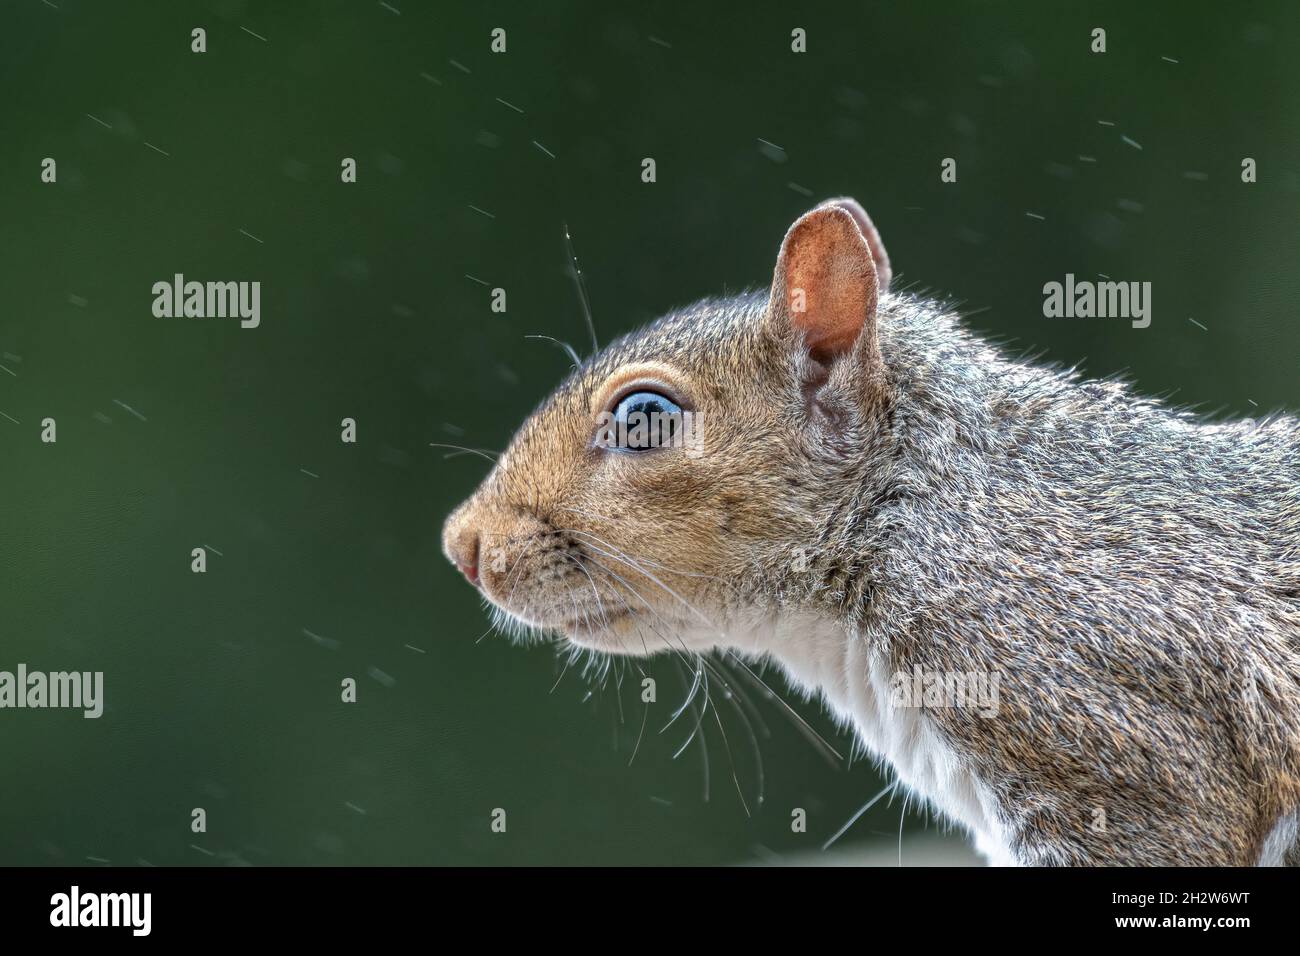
1130, 571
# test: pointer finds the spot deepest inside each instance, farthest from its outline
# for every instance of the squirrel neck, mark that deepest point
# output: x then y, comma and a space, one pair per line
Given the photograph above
959, 444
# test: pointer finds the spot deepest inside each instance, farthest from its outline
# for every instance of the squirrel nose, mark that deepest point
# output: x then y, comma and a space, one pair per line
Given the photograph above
470, 571
465, 556
462, 547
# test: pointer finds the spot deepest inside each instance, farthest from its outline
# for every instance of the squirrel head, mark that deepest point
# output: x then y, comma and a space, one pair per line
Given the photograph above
673, 485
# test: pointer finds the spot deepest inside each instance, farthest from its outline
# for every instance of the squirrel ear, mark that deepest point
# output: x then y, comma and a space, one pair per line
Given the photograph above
827, 281
869, 233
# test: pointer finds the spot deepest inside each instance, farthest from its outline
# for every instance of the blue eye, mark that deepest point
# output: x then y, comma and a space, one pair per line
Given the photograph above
644, 420
648, 403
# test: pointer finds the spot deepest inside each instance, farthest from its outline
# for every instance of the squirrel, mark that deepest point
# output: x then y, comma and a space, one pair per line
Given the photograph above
879, 492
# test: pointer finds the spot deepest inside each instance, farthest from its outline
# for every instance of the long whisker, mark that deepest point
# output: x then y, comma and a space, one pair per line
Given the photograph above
641, 570
690, 696
645, 715
568, 349
563, 671
645, 561
802, 724
701, 664
627, 585
599, 665
618, 696
633, 591
730, 697
854, 819
701, 679
487, 453
704, 747
704, 661
744, 698
901, 817
600, 604
734, 777
581, 283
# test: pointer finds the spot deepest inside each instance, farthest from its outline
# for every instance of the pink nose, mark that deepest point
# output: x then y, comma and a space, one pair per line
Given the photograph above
463, 549
470, 571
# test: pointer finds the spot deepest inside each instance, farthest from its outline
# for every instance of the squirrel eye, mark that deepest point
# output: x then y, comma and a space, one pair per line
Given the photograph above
648, 402
643, 420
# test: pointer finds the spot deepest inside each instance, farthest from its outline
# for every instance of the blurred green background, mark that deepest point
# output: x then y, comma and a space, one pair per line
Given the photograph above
216, 695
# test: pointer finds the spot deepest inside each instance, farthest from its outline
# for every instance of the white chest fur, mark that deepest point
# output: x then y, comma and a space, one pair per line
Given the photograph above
855, 682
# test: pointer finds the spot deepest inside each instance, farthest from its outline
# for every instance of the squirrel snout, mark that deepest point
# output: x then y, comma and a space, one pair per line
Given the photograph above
460, 542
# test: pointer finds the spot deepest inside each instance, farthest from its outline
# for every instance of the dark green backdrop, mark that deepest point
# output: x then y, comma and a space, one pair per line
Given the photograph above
216, 697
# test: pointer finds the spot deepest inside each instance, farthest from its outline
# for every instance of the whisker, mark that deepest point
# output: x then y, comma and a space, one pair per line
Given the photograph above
581, 283
854, 819
588, 549
744, 698
646, 561
618, 694
901, 817
487, 453
645, 715
690, 696
810, 731
701, 680
753, 742
701, 663
726, 745
704, 749
642, 571
568, 349
572, 656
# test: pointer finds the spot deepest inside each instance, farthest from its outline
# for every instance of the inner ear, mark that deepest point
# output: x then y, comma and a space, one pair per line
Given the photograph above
826, 286
884, 272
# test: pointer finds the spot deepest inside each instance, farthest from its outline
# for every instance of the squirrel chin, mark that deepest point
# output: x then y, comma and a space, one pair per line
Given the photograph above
604, 633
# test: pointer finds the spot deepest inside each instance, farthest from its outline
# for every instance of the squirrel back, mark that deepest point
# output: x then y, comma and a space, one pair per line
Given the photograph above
879, 500
1134, 575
